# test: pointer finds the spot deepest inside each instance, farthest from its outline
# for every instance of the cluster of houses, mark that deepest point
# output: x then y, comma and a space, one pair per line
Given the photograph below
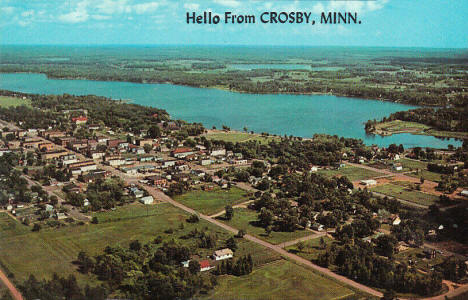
207, 264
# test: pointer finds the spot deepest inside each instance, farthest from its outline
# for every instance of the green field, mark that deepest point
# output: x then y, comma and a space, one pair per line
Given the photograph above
242, 220
421, 166
311, 248
398, 126
279, 280
236, 137
402, 192
24, 252
6, 101
211, 202
401, 126
353, 173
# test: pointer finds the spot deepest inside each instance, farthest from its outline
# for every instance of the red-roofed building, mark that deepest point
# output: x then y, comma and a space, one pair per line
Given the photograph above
80, 120
205, 265
182, 152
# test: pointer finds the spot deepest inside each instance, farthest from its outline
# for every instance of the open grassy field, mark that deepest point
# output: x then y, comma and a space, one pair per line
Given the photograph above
353, 173
236, 136
401, 126
6, 101
211, 202
402, 192
245, 219
398, 126
416, 254
279, 280
410, 164
311, 249
24, 252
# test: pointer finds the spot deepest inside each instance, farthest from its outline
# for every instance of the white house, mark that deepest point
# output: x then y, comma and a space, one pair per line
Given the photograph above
116, 162
219, 152
205, 162
317, 227
185, 263
368, 182
223, 254
464, 193
397, 167
147, 200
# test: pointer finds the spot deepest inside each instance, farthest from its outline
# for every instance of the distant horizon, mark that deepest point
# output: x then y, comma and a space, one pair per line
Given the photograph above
236, 45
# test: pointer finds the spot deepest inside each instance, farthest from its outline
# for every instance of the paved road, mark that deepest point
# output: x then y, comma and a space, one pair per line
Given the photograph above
161, 196
13, 291
72, 211
157, 194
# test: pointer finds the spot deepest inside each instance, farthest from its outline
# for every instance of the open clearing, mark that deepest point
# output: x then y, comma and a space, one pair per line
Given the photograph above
398, 126
312, 248
353, 173
52, 250
420, 169
211, 202
245, 218
398, 190
6, 101
279, 280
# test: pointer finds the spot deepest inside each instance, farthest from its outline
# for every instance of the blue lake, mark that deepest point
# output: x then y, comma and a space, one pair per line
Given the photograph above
298, 115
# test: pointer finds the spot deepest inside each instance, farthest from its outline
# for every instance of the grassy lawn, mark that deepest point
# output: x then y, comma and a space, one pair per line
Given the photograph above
6, 101
353, 173
279, 280
211, 202
416, 254
402, 192
244, 218
312, 248
52, 250
235, 137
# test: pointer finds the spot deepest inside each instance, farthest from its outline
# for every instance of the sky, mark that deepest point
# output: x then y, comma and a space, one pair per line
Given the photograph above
388, 23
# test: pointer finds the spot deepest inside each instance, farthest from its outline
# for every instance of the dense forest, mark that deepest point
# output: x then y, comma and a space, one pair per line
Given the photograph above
55, 109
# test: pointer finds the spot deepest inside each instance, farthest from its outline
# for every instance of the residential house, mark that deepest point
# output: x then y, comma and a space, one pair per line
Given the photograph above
205, 265
157, 180
368, 182
218, 152
182, 152
317, 227
144, 142
147, 200
223, 254
80, 120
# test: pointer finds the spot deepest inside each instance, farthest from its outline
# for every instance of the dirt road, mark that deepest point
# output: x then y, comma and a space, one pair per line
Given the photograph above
302, 239
13, 291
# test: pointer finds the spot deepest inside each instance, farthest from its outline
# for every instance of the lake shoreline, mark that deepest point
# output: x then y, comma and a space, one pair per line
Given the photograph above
299, 115
223, 88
